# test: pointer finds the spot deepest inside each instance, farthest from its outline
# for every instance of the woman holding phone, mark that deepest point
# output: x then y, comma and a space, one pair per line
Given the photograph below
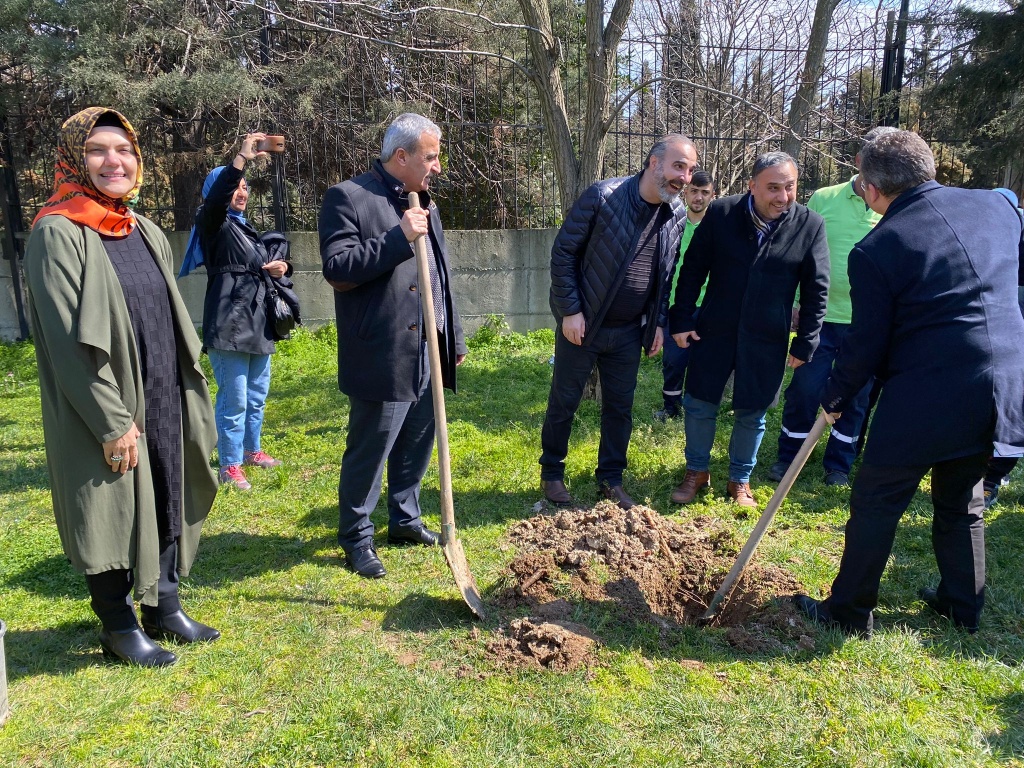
237, 332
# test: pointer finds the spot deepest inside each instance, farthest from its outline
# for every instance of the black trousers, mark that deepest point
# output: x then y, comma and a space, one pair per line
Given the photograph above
111, 592
999, 467
616, 353
398, 435
880, 496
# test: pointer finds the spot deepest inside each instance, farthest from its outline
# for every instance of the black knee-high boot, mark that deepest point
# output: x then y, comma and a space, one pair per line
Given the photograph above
168, 620
121, 636
111, 599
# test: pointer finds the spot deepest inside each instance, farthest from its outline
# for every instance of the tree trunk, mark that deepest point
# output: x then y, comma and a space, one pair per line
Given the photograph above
813, 66
547, 77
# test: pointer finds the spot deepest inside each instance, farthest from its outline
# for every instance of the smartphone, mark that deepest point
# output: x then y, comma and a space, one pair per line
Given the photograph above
271, 144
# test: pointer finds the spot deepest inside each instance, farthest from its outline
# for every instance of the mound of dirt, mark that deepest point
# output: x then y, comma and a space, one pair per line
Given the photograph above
652, 569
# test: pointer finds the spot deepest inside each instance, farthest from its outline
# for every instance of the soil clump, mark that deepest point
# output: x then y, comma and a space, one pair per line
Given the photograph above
649, 570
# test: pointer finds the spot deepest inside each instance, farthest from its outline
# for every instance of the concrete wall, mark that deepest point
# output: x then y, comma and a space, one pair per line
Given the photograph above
500, 272
9, 328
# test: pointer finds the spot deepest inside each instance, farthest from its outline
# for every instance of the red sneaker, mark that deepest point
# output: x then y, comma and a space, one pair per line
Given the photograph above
260, 459
234, 475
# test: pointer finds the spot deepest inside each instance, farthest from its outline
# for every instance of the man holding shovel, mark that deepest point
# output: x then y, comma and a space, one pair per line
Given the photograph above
366, 233
935, 317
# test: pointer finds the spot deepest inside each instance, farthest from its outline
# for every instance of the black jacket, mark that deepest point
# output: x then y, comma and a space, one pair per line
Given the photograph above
592, 249
745, 317
235, 310
372, 268
935, 317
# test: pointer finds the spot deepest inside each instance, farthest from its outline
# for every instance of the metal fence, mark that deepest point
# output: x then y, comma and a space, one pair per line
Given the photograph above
731, 100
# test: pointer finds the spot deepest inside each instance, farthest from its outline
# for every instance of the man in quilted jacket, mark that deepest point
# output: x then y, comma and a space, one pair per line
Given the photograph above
610, 268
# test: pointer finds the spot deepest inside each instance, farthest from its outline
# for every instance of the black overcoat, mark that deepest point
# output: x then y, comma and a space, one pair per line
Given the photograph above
935, 317
372, 267
746, 314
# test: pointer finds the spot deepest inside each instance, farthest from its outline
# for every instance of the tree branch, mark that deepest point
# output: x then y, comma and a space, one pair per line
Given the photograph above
391, 43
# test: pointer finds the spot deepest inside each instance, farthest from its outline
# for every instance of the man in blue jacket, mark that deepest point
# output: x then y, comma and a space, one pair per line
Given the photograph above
610, 266
366, 233
935, 317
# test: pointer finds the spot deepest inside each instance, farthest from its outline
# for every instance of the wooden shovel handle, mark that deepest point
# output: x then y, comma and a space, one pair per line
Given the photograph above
766, 517
444, 466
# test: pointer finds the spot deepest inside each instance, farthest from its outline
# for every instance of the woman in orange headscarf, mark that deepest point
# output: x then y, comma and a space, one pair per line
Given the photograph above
127, 419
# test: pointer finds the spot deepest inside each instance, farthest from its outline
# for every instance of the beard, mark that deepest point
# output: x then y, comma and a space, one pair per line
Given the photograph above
666, 192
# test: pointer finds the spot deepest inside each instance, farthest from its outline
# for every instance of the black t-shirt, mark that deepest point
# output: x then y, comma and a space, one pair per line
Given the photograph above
631, 299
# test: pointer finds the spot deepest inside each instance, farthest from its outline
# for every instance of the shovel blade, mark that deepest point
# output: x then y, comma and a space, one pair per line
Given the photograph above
456, 557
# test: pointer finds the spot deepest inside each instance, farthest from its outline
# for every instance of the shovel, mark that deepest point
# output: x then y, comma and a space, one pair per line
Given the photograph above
453, 551
765, 520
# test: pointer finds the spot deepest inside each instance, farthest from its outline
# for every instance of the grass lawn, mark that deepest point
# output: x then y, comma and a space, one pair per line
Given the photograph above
318, 667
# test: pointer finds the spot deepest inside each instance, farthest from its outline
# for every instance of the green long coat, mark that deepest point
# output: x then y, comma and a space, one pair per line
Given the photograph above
91, 387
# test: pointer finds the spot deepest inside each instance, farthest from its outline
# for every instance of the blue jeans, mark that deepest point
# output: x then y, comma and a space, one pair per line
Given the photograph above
700, 424
243, 381
616, 353
803, 398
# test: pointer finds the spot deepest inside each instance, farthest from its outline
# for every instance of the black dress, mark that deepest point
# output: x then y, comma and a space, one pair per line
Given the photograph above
149, 307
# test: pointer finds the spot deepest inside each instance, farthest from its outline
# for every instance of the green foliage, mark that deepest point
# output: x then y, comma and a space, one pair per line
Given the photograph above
979, 95
320, 668
495, 335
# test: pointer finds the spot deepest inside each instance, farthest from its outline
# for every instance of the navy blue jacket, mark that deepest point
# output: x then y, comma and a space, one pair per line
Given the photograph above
372, 268
593, 248
746, 314
935, 317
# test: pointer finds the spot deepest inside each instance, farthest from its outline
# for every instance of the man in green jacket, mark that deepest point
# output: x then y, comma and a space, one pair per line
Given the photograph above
698, 196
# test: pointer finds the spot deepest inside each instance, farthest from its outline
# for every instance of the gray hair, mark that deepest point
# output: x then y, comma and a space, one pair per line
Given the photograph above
875, 133
405, 132
770, 160
896, 162
658, 150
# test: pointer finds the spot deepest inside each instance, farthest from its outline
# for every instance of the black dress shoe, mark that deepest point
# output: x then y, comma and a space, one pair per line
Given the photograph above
816, 612
931, 598
556, 492
177, 626
618, 495
134, 647
364, 561
403, 537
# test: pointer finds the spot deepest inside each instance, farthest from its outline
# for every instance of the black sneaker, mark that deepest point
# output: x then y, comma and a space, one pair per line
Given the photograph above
991, 494
666, 413
777, 470
837, 478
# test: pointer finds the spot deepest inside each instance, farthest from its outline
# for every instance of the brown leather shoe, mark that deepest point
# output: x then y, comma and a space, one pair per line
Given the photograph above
693, 482
556, 492
741, 494
618, 495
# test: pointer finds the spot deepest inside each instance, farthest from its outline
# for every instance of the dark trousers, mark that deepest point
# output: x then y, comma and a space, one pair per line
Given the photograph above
111, 592
879, 498
616, 353
803, 398
999, 467
398, 434
674, 360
